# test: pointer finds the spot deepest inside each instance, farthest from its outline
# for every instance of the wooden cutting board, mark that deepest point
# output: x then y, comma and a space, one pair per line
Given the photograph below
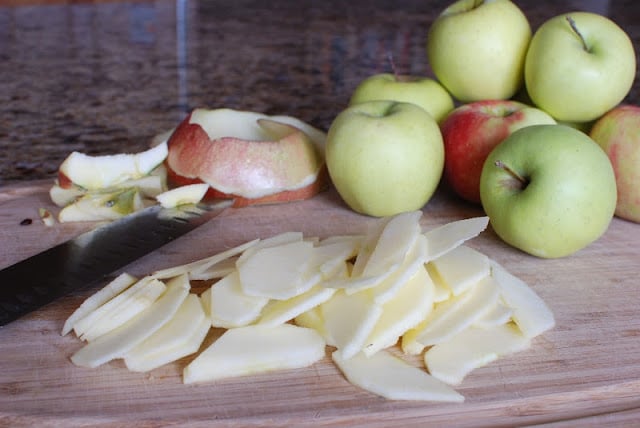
587, 368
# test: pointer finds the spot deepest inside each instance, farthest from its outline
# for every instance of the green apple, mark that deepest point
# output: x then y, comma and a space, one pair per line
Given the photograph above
579, 66
618, 133
548, 190
385, 157
477, 49
422, 91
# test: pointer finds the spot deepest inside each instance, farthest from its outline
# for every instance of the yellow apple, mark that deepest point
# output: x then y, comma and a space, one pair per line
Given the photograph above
385, 157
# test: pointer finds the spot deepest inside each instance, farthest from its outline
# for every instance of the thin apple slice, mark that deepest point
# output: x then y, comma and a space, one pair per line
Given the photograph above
396, 239
350, 319
188, 194
328, 259
442, 291
452, 316
215, 271
390, 377
445, 238
281, 311
196, 268
498, 315
472, 348
99, 172
179, 337
413, 262
205, 300
118, 342
530, 312
313, 319
256, 349
99, 298
230, 306
272, 241
369, 241
409, 305
461, 268
120, 308
259, 278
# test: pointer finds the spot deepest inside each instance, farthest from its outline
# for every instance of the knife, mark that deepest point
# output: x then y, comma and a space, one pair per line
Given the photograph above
91, 257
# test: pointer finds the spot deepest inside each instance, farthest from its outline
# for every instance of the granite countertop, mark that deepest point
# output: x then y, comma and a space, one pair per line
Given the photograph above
105, 77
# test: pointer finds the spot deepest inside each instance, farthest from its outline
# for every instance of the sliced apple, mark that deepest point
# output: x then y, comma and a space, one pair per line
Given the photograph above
256, 349
247, 156
452, 360
390, 377
530, 312
280, 311
99, 172
499, 314
179, 337
410, 305
97, 299
187, 194
120, 341
350, 319
230, 306
313, 319
102, 313
454, 315
447, 237
461, 268
197, 267
396, 239
259, 278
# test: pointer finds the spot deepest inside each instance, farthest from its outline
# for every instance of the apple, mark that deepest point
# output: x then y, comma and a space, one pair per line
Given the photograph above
477, 49
472, 130
548, 190
250, 157
422, 91
618, 133
579, 66
384, 157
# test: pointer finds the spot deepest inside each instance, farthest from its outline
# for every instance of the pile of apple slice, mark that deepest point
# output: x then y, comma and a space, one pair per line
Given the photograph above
277, 303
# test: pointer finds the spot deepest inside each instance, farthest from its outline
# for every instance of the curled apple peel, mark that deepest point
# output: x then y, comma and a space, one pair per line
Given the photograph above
251, 157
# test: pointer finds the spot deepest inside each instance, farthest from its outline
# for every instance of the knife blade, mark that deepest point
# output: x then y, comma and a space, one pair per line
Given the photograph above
91, 257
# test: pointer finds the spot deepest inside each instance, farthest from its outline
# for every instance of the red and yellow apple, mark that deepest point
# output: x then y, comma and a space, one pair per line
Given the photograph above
618, 133
472, 130
250, 157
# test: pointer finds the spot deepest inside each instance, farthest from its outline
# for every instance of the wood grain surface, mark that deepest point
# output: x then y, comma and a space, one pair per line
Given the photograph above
584, 372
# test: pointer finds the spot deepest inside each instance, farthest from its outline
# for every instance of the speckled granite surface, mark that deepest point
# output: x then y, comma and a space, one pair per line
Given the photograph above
105, 77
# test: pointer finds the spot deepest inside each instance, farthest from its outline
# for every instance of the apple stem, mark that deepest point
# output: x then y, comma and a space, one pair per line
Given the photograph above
393, 66
574, 27
523, 181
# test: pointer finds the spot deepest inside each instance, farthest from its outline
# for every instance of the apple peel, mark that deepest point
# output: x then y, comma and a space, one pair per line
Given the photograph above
246, 156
